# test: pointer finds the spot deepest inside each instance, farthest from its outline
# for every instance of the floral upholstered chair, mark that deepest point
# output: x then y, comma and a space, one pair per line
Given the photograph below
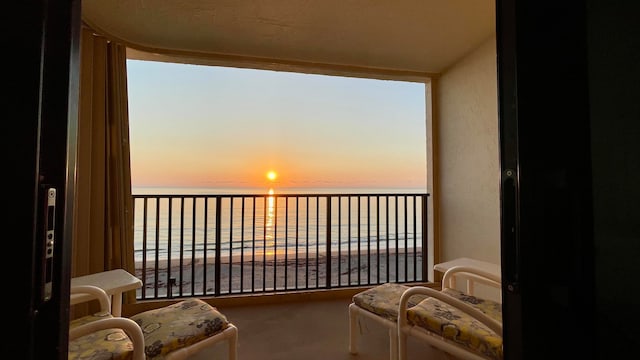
451, 320
172, 332
458, 323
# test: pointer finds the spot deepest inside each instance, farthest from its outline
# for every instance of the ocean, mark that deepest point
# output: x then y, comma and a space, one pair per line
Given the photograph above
196, 222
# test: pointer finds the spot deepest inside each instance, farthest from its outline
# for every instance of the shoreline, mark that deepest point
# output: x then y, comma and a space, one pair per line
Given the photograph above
280, 275
271, 256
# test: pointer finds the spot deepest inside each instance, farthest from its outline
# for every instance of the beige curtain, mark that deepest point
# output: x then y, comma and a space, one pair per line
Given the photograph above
103, 226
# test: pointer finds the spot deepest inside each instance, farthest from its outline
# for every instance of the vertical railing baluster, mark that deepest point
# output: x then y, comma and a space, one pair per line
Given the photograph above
378, 239
339, 241
328, 241
415, 238
397, 243
218, 250
230, 251
204, 246
317, 241
264, 246
181, 244
242, 247
193, 246
253, 246
231, 198
297, 236
368, 240
307, 247
145, 224
169, 220
386, 203
286, 240
349, 236
406, 241
425, 245
275, 242
157, 248
359, 252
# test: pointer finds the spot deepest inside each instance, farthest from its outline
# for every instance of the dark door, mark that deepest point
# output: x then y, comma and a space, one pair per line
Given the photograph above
547, 234
42, 51
568, 75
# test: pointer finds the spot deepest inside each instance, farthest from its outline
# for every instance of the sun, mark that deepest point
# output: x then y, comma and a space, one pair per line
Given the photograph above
272, 175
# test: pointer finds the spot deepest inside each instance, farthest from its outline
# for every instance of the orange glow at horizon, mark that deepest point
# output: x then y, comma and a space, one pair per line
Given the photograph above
308, 131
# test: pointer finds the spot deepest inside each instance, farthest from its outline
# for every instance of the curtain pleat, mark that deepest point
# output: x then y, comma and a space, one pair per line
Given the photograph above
103, 226
119, 199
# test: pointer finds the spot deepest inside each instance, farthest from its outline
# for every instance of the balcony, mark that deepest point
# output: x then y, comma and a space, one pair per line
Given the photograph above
235, 244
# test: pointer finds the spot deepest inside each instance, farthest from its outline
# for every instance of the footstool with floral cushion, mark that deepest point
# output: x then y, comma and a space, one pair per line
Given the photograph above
173, 332
379, 304
184, 328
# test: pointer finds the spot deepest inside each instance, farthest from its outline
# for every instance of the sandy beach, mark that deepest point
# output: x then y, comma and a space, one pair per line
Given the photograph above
285, 273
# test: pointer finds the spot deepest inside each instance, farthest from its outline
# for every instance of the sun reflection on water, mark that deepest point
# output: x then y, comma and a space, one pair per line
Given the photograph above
270, 216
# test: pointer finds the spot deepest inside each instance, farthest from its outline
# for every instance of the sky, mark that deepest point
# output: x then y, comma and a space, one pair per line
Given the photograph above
206, 126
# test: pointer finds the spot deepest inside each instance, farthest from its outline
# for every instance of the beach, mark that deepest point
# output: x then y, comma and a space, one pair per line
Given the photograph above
197, 277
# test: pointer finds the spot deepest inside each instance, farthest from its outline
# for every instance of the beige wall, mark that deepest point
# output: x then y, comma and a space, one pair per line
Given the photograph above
468, 152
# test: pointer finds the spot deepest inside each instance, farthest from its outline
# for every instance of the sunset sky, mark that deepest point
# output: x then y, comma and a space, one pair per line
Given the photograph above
204, 126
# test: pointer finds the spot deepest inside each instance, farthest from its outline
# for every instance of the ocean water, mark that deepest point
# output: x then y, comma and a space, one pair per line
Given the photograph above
241, 222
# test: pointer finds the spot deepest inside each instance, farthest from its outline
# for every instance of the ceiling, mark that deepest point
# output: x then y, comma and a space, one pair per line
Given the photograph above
413, 36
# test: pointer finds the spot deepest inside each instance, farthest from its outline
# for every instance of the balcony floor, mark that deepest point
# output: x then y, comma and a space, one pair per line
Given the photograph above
308, 330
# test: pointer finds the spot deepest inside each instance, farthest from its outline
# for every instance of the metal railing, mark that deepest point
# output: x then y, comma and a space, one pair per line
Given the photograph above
213, 245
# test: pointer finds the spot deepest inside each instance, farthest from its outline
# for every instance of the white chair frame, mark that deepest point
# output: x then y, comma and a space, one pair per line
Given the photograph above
398, 339
404, 329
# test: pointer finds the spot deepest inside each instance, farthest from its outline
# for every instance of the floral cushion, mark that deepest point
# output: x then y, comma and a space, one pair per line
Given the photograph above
384, 300
178, 325
102, 344
455, 325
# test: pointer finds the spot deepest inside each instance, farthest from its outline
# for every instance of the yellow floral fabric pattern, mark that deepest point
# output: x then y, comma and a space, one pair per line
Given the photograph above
455, 325
178, 325
384, 300
104, 344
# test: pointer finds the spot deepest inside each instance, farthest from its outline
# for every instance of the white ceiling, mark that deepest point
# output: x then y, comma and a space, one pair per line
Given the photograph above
421, 36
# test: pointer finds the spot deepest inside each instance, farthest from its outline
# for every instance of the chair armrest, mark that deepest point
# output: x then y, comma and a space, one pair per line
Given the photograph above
472, 274
130, 327
460, 305
94, 293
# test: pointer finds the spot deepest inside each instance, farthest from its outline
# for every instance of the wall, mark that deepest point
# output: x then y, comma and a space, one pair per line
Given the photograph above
468, 152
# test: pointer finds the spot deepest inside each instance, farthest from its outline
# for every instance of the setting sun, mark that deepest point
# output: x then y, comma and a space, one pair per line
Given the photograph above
272, 175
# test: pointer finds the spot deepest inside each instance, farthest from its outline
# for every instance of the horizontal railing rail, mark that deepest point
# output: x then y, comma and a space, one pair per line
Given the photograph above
214, 245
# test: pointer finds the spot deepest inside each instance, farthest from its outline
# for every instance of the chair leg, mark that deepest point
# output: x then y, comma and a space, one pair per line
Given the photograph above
353, 332
402, 345
233, 343
447, 355
393, 344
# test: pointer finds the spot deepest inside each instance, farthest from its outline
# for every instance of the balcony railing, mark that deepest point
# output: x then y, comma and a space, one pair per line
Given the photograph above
213, 245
